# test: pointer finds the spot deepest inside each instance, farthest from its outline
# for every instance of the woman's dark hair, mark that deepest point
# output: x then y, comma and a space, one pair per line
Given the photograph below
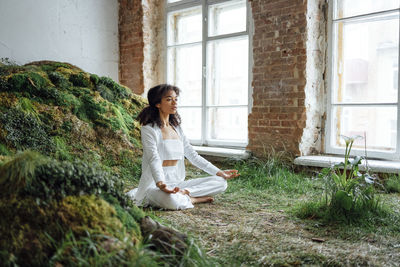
150, 114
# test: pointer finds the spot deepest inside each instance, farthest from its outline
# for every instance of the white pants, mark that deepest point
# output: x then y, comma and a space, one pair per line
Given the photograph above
200, 187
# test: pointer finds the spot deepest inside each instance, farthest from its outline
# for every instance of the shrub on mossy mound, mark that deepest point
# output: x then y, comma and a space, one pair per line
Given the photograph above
41, 202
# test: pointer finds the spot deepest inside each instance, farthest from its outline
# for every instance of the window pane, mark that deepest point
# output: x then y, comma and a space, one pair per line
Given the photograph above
366, 59
227, 71
184, 71
349, 8
379, 124
191, 122
227, 18
173, 1
184, 26
227, 123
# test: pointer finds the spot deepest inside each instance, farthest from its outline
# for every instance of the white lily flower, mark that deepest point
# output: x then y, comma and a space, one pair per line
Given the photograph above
351, 139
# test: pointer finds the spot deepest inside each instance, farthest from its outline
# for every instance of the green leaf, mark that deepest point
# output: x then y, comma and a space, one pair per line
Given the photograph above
339, 165
343, 199
336, 179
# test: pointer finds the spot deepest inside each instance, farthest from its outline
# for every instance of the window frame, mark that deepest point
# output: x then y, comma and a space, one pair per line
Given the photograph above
394, 155
204, 4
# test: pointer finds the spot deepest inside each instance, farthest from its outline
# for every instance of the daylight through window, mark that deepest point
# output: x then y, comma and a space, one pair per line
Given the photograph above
208, 59
364, 76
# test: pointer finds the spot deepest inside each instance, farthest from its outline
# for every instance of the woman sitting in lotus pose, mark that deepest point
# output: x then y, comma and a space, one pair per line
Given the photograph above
162, 183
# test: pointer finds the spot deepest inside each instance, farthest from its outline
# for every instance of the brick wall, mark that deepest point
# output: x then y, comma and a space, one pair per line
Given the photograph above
278, 116
131, 44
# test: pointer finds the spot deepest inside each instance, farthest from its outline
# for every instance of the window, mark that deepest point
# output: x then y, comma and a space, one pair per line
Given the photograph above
363, 77
208, 59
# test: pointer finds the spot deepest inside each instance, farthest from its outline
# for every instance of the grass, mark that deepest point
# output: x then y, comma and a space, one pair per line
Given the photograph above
257, 222
99, 250
392, 184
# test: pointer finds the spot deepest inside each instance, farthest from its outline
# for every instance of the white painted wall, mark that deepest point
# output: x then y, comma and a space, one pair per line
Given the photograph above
81, 32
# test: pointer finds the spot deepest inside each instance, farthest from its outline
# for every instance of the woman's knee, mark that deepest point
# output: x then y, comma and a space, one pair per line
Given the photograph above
164, 200
223, 184
178, 201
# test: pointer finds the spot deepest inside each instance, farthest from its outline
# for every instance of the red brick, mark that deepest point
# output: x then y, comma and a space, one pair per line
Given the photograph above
275, 56
131, 44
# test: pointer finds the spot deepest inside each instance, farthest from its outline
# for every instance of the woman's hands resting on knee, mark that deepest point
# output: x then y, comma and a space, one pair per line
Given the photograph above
163, 187
228, 174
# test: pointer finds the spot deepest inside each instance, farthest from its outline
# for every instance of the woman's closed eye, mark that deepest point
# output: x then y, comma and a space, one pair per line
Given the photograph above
169, 99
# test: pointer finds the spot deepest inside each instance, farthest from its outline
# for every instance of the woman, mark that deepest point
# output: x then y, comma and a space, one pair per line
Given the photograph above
162, 183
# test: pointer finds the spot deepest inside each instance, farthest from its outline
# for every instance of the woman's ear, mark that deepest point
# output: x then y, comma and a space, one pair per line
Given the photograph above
158, 105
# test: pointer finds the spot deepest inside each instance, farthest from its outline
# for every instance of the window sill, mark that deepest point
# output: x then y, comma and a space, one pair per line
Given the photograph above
222, 152
381, 166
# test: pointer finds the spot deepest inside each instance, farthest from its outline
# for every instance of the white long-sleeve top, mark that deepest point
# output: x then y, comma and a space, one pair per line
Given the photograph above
153, 149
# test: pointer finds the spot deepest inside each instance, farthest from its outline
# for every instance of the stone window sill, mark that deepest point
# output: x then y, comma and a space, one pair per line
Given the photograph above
380, 166
222, 152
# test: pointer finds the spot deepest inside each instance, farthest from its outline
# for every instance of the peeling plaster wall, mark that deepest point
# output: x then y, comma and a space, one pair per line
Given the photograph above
315, 100
154, 43
84, 33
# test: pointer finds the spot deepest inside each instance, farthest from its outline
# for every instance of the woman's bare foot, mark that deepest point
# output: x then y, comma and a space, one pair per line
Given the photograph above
196, 200
184, 192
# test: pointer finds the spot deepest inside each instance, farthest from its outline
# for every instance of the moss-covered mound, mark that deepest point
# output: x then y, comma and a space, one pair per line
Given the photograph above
69, 148
45, 202
66, 113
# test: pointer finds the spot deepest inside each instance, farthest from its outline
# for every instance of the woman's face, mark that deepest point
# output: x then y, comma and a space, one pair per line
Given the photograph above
169, 103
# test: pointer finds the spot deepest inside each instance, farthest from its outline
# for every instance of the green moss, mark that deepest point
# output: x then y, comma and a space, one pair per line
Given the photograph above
18, 172
16, 122
118, 91
47, 65
89, 213
52, 66
59, 80
62, 151
70, 101
46, 202
56, 180
37, 232
80, 91
29, 82
94, 79
129, 217
26, 237
118, 121
130, 166
26, 105
3, 150
105, 92
66, 126
36, 85
3, 85
79, 80
90, 110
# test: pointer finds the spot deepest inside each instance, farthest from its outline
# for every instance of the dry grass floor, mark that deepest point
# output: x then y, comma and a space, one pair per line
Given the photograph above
240, 231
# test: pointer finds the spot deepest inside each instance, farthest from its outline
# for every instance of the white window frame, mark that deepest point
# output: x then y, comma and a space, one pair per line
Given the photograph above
205, 39
330, 71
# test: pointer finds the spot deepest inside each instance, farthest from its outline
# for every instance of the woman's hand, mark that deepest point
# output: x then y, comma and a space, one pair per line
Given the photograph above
228, 174
163, 187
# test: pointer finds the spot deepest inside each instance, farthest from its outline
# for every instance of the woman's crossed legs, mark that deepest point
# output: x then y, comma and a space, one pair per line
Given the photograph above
197, 191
